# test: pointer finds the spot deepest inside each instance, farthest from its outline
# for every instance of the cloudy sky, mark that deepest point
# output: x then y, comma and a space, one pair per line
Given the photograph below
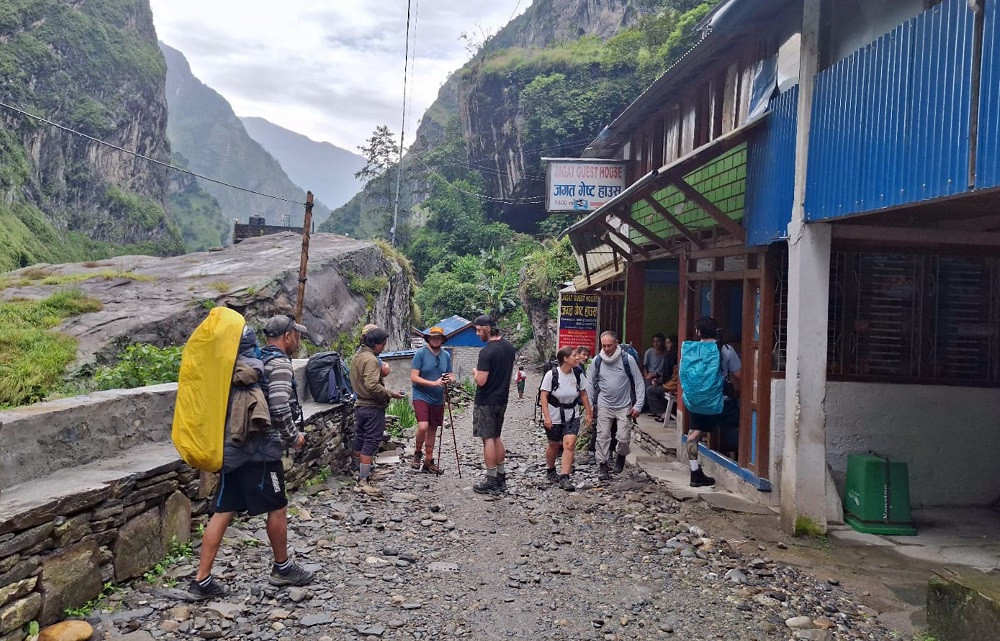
329, 69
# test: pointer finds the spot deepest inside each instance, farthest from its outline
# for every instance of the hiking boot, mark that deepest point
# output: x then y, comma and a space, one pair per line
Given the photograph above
417, 458
430, 467
700, 479
294, 575
214, 590
603, 474
502, 482
619, 464
367, 487
566, 484
488, 485
552, 475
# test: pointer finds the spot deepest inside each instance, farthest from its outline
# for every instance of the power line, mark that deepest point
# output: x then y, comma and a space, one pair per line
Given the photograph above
402, 128
144, 157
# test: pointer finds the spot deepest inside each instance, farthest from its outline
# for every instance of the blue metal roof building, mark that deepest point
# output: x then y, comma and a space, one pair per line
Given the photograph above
459, 331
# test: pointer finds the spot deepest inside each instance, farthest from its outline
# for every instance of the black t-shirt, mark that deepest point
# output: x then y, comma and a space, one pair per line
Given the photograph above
497, 358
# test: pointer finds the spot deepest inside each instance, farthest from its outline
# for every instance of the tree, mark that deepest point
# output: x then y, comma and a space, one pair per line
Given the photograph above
381, 157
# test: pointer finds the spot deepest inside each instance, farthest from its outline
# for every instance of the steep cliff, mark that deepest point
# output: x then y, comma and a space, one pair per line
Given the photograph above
204, 130
95, 67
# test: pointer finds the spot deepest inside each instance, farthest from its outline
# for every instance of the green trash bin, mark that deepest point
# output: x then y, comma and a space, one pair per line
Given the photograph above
877, 495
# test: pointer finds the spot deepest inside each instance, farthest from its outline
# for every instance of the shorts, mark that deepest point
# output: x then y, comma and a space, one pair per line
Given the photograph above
487, 420
255, 487
433, 415
369, 428
559, 430
705, 422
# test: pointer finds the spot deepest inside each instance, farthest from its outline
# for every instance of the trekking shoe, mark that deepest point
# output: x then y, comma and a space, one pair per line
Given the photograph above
603, 474
430, 467
417, 457
619, 464
488, 486
566, 484
700, 479
367, 487
552, 475
214, 590
502, 482
294, 575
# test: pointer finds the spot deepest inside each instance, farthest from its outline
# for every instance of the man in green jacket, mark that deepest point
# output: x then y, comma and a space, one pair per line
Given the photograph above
372, 399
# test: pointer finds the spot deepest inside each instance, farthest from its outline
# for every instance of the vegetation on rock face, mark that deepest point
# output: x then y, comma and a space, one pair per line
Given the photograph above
32, 356
141, 364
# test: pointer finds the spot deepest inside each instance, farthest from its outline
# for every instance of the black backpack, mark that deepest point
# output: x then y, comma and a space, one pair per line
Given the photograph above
327, 378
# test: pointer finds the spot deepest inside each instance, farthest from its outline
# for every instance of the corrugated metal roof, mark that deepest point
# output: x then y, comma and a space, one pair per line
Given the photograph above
451, 325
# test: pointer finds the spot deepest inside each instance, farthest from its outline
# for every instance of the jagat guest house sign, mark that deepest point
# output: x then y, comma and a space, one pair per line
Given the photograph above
574, 184
578, 314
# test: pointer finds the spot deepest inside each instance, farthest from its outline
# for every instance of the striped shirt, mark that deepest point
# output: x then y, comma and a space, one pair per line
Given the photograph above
281, 400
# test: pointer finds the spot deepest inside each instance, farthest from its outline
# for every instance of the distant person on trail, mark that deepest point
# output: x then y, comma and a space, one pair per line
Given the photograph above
521, 380
253, 479
372, 399
492, 376
616, 390
430, 372
562, 392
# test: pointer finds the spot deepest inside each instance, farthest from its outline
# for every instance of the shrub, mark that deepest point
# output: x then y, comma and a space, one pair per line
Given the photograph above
401, 409
141, 364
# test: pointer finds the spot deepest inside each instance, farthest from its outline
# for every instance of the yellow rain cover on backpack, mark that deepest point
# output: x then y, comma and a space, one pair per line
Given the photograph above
203, 389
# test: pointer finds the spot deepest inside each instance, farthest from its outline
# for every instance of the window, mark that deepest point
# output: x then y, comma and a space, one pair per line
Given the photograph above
909, 318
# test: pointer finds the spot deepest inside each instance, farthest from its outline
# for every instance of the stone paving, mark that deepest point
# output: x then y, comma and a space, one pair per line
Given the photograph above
430, 559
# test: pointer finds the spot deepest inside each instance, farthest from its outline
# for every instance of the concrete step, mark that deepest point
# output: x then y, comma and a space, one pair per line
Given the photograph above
963, 604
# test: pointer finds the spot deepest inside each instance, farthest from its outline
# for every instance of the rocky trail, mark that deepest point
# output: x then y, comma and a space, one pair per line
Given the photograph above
430, 559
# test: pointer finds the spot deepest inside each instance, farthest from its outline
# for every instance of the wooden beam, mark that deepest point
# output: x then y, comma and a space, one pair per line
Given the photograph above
670, 218
586, 267
616, 251
625, 215
916, 236
622, 237
715, 251
709, 208
980, 222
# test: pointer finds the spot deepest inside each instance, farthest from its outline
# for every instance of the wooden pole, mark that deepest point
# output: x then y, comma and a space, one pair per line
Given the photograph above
304, 260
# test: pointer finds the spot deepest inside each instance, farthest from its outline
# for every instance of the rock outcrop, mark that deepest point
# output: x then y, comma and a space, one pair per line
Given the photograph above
161, 300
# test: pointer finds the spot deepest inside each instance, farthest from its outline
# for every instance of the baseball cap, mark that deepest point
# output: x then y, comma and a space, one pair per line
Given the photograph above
485, 321
278, 325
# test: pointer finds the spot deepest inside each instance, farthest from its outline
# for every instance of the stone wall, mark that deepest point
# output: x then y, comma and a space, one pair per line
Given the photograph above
64, 534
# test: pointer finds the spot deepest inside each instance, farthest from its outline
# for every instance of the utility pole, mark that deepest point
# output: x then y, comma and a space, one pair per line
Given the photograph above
304, 259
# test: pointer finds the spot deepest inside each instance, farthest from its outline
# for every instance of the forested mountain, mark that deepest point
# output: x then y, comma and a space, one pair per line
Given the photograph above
211, 140
325, 169
94, 67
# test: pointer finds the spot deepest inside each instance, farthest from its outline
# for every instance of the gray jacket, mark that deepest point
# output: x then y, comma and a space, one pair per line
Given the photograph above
613, 384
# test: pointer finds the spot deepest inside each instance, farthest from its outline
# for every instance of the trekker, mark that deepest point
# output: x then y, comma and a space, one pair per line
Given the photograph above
702, 371
656, 393
253, 479
492, 376
521, 380
563, 390
430, 372
582, 356
373, 397
617, 392
382, 364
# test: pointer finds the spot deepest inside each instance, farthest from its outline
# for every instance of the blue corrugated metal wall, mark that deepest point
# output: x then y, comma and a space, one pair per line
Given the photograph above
771, 172
988, 150
890, 122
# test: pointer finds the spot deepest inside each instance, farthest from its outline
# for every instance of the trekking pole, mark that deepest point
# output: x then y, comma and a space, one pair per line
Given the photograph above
451, 420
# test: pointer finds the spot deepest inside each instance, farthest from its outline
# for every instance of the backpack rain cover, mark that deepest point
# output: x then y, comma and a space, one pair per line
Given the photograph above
701, 379
199, 428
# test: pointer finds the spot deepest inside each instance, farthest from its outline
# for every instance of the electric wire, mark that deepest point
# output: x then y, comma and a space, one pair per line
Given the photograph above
144, 157
402, 128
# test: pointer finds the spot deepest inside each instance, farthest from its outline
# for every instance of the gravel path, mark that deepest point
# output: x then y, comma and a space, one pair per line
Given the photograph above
433, 560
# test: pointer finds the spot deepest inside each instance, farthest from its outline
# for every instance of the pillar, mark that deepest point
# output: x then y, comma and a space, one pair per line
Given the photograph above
803, 468
635, 304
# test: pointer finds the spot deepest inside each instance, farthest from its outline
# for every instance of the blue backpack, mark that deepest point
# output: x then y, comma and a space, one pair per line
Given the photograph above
701, 377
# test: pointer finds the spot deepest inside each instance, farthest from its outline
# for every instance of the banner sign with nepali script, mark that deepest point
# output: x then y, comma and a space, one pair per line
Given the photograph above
573, 184
578, 320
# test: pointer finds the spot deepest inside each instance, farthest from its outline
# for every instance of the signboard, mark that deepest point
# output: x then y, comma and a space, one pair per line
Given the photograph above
573, 184
578, 315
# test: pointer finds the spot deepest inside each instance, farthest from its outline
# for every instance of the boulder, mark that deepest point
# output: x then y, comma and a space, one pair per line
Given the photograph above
139, 545
69, 579
67, 631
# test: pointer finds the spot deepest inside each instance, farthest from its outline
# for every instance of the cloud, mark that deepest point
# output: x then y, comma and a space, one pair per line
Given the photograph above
332, 71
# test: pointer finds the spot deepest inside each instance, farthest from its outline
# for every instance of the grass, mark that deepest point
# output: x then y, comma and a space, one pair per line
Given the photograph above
178, 552
96, 603
32, 357
42, 276
401, 408
321, 476
221, 286
804, 526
